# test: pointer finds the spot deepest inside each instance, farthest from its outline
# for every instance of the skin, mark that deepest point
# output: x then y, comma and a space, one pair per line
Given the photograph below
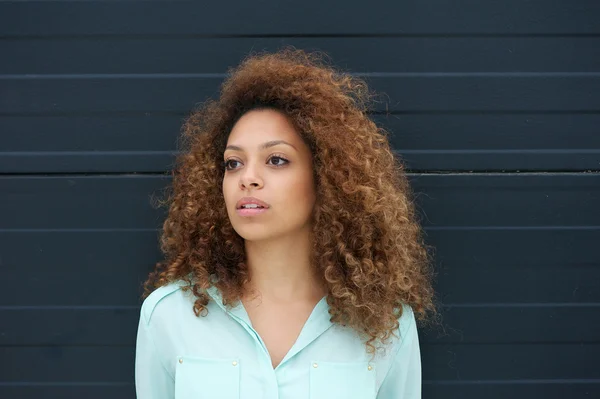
283, 287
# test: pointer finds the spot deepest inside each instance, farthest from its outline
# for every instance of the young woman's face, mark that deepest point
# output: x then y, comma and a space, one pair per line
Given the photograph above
266, 159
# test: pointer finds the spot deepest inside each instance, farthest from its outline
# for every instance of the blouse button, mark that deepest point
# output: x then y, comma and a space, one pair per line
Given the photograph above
370, 368
234, 363
315, 365
180, 360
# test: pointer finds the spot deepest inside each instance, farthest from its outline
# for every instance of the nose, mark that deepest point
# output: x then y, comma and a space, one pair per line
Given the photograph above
250, 177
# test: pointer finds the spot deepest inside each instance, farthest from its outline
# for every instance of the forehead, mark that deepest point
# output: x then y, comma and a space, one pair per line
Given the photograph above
261, 125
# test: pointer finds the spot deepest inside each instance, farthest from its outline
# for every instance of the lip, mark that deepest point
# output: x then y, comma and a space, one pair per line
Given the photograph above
251, 200
251, 212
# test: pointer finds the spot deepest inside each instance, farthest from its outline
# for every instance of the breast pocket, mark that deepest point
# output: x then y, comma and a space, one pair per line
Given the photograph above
200, 378
332, 380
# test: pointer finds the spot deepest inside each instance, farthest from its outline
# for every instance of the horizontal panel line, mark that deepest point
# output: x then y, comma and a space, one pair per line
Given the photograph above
504, 173
84, 176
507, 151
94, 114
427, 382
219, 75
446, 306
183, 114
303, 35
66, 345
78, 230
83, 153
523, 305
129, 172
434, 342
67, 384
441, 228
166, 174
67, 307
504, 112
513, 382
450, 228
429, 342
87, 153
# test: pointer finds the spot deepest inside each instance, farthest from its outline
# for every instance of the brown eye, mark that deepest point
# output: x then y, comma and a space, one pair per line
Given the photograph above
280, 160
226, 164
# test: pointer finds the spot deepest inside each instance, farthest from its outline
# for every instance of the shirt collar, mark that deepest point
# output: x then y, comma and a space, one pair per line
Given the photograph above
238, 310
317, 323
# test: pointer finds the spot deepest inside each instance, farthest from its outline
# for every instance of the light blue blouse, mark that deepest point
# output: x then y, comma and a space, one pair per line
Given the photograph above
181, 356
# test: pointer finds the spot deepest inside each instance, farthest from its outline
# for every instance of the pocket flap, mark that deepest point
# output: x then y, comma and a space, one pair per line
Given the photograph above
198, 377
343, 380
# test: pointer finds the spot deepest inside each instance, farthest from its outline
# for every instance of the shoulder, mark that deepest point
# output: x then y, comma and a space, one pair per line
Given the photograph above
407, 323
407, 317
158, 297
404, 337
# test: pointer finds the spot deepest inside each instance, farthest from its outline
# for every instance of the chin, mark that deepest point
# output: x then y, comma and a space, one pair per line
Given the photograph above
254, 232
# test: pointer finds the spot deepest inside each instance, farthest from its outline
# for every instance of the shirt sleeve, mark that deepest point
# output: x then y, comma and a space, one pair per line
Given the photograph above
152, 380
403, 380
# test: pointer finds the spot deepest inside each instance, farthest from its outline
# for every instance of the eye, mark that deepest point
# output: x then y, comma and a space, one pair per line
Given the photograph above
281, 160
226, 164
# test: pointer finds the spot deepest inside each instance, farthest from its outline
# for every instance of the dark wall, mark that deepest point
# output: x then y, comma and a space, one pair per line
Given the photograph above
494, 106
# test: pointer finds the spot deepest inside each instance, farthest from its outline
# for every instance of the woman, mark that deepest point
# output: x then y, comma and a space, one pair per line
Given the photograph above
294, 265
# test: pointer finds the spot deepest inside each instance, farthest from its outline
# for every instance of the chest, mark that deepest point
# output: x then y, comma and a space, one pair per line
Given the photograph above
278, 326
232, 364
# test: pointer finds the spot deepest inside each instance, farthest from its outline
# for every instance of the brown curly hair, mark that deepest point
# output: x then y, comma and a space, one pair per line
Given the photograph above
367, 243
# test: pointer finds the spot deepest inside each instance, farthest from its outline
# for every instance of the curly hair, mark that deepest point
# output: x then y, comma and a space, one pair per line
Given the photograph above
367, 242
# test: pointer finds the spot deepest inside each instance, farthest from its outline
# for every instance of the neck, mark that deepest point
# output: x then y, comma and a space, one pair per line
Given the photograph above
281, 270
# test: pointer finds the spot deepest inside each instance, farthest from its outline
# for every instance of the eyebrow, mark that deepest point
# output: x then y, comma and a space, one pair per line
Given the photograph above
263, 146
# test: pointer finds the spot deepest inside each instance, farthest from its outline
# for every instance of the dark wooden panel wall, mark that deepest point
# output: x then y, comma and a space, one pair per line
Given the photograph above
493, 105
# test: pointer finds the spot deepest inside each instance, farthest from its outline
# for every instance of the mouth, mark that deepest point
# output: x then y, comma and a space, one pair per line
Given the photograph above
251, 211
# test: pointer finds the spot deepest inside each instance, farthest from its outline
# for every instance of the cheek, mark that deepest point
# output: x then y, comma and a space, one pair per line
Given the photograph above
228, 190
299, 192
